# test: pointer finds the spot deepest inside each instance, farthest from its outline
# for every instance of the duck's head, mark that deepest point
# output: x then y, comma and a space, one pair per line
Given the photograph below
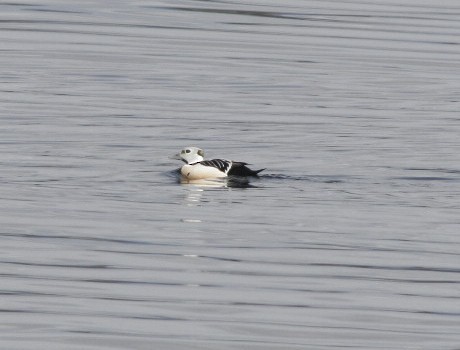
191, 155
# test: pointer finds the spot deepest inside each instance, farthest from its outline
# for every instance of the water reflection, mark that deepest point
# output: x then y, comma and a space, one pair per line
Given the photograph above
193, 196
230, 182
205, 182
197, 188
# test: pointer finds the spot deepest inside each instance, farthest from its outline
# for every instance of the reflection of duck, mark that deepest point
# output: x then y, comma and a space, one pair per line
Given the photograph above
196, 168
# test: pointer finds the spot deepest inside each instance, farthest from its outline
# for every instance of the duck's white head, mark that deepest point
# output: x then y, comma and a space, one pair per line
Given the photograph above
191, 155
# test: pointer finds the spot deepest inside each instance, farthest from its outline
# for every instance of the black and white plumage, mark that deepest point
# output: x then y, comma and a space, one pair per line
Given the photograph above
196, 168
221, 164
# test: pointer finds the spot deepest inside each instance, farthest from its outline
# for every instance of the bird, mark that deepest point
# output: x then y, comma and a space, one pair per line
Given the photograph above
196, 168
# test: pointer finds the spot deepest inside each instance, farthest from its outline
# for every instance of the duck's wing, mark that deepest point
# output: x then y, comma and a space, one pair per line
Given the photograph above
221, 164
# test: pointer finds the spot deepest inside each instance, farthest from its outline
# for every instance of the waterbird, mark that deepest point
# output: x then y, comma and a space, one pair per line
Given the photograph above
196, 168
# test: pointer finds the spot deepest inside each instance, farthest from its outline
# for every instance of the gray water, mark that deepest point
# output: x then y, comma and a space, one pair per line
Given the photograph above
349, 239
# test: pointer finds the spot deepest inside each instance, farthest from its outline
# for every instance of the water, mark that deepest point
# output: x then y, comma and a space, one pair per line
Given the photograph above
349, 239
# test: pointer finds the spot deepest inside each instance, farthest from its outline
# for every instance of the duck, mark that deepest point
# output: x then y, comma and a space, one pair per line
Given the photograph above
197, 168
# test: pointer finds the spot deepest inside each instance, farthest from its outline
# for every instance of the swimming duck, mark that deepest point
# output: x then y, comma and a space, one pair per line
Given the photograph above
196, 168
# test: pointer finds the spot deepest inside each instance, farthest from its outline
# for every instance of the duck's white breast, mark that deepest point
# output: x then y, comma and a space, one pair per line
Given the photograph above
199, 171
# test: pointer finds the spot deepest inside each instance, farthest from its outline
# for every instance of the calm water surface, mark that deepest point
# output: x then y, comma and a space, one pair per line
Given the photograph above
350, 239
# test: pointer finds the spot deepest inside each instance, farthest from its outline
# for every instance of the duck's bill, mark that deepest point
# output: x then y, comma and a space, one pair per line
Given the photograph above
175, 156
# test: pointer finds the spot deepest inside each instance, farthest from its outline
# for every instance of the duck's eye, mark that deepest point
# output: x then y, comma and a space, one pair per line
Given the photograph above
187, 151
